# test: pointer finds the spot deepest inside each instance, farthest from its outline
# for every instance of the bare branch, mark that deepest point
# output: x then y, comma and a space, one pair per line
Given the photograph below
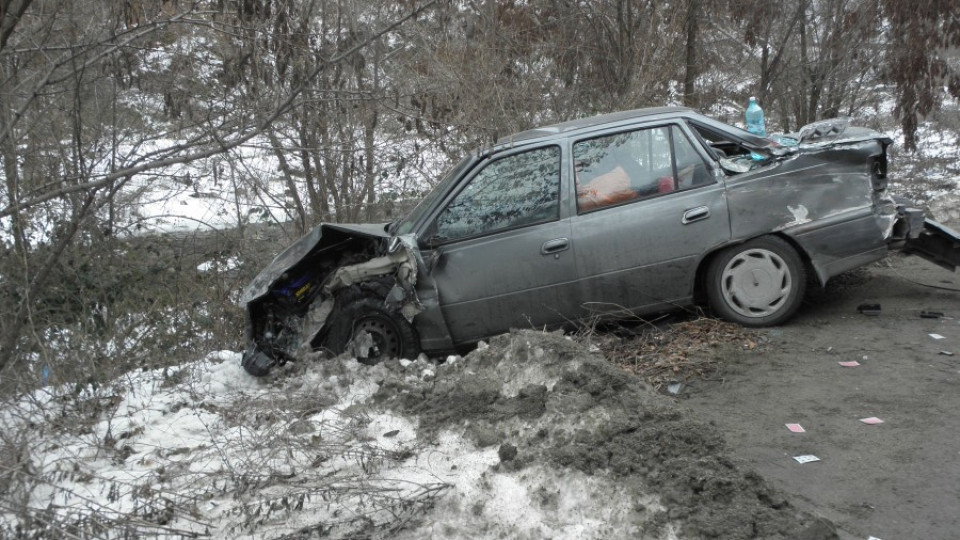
10, 13
218, 145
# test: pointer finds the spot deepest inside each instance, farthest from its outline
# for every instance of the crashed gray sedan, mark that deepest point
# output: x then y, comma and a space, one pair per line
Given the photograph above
627, 213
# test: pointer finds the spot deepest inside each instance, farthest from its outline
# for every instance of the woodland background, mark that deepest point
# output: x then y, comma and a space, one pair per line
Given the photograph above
293, 112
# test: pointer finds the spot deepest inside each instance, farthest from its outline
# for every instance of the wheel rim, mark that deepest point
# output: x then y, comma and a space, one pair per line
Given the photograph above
386, 337
756, 283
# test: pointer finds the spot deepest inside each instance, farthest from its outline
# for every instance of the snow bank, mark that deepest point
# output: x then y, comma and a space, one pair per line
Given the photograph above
530, 437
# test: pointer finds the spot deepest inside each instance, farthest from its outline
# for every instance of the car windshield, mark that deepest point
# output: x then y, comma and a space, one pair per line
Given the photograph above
405, 225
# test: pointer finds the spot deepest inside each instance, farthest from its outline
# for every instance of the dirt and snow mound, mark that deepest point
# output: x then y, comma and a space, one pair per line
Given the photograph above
529, 437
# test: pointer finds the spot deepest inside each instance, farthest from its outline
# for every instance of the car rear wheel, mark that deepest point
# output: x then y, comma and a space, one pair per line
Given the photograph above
757, 283
373, 331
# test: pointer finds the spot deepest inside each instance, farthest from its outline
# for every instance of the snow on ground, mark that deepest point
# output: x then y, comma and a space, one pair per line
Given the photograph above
531, 437
198, 439
206, 448
930, 176
213, 193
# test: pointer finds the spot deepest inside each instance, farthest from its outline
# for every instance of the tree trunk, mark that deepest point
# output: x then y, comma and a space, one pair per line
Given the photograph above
690, 65
288, 178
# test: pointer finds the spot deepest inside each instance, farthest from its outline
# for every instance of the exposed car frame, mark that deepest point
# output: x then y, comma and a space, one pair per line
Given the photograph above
718, 216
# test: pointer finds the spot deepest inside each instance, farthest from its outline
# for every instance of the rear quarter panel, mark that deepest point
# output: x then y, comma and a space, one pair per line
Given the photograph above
821, 198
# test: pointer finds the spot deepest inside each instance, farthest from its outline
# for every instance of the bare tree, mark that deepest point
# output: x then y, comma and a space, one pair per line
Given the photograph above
74, 133
360, 102
919, 34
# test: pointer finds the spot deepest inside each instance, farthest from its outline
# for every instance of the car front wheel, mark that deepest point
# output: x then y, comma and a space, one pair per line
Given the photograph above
371, 331
757, 283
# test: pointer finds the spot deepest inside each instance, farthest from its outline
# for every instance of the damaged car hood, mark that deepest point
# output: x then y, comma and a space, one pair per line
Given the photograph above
299, 249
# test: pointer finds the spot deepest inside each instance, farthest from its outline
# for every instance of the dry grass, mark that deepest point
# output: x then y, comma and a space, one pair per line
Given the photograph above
678, 352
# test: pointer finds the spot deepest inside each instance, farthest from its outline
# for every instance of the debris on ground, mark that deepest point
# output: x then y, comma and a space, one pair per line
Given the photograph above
673, 354
870, 310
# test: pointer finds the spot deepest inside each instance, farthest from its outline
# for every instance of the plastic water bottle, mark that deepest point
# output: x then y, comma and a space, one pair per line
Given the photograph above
754, 117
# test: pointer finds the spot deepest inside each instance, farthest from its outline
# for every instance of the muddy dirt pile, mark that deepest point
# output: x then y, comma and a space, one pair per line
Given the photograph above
530, 437
544, 401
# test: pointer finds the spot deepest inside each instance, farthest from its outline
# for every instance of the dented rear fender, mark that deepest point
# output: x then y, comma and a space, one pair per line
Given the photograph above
829, 198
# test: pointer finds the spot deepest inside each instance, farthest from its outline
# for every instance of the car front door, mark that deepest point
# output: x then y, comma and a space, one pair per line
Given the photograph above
504, 256
649, 208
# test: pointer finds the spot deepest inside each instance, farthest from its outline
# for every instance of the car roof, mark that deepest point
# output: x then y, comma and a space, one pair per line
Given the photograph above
588, 124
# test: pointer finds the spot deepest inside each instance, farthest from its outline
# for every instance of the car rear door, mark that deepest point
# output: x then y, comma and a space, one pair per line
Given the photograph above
504, 253
650, 206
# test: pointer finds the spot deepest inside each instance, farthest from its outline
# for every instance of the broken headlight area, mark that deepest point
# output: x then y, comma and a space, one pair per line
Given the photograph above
366, 282
275, 323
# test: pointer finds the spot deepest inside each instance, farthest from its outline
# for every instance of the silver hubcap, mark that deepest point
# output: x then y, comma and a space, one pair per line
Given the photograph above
756, 283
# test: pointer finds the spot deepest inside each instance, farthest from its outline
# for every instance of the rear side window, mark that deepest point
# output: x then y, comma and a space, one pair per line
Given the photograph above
619, 168
510, 192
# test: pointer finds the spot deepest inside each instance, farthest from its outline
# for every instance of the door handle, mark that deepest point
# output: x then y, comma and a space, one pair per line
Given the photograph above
554, 246
695, 214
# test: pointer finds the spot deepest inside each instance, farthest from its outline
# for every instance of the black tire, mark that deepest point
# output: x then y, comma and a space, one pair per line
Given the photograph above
758, 283
393, 335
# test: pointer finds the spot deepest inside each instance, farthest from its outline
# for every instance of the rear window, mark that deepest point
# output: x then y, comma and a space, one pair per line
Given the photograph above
634, 165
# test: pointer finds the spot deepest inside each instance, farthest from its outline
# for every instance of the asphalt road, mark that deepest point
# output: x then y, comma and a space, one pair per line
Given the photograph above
896, 480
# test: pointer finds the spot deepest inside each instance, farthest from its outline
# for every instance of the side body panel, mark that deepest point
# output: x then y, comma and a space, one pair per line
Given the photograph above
825, 200
522, 277
490, 284
642, 256
430, 323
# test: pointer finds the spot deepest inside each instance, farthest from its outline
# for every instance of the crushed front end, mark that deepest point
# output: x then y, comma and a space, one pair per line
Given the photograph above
288, 302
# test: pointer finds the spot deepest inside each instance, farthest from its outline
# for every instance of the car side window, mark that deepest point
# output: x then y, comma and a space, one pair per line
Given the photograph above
510, 192
691, 169
628, 166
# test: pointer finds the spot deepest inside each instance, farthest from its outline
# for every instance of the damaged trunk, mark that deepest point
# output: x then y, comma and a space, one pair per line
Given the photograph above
828, 196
